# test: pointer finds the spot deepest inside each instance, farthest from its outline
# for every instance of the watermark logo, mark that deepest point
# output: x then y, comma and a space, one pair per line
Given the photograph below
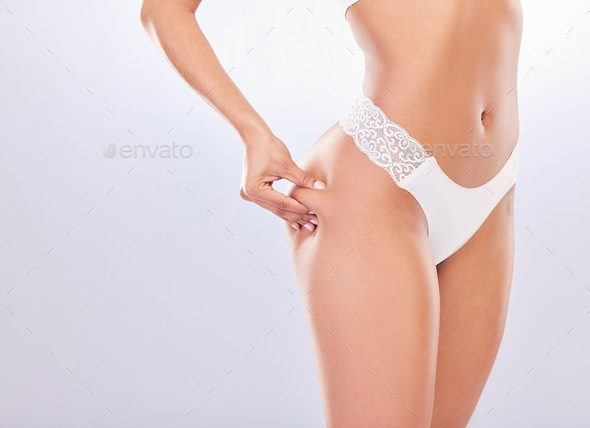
164, 151
110, 151
462, 150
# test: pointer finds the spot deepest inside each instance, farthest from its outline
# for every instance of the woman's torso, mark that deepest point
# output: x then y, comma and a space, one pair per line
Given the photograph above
446, 71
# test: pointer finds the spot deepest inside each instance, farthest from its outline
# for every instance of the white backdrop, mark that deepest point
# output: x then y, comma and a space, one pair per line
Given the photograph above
143, 292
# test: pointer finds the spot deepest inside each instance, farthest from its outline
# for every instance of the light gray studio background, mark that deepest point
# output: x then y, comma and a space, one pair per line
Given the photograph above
143, 292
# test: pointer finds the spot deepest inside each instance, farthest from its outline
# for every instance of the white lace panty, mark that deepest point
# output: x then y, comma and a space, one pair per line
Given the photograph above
454, 213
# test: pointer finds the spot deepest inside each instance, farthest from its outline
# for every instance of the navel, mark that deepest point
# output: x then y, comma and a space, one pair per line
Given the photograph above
485, 116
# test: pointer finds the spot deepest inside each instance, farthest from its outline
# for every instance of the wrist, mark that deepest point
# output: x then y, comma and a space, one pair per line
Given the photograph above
252, 132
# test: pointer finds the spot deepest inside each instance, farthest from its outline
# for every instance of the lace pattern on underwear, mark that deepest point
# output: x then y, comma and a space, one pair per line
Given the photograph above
387, 144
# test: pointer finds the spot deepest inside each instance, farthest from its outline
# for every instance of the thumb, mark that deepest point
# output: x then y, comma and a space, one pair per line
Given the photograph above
303, 178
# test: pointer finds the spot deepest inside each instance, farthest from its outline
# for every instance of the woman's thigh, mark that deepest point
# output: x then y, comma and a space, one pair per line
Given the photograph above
369, 287
474, 286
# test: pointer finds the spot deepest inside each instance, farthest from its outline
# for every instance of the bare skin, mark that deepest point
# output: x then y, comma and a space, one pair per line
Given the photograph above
424, 337
172, 26
398, 341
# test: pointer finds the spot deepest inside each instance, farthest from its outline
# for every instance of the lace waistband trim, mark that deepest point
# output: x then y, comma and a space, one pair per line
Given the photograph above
386, 143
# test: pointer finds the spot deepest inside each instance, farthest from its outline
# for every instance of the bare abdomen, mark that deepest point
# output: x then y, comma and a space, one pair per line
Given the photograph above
446, 72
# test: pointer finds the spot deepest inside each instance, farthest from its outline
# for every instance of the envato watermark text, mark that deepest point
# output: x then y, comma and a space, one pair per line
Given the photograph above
465, 150
142, 151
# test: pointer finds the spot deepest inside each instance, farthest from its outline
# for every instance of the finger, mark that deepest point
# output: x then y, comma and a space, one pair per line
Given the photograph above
302, 220
302, 178
282, 204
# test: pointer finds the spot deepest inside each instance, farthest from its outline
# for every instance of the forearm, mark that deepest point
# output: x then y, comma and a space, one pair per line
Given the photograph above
174, 29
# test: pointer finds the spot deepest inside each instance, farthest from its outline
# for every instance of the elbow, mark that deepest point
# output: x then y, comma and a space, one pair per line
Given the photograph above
146, 14
150, 9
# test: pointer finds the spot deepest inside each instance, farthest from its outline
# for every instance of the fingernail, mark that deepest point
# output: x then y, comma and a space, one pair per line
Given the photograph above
310, 212
319, 184
309, 227
293, 226
314, 221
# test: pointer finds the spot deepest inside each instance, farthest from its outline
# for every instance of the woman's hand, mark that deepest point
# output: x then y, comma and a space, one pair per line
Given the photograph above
173, 27
267, 159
